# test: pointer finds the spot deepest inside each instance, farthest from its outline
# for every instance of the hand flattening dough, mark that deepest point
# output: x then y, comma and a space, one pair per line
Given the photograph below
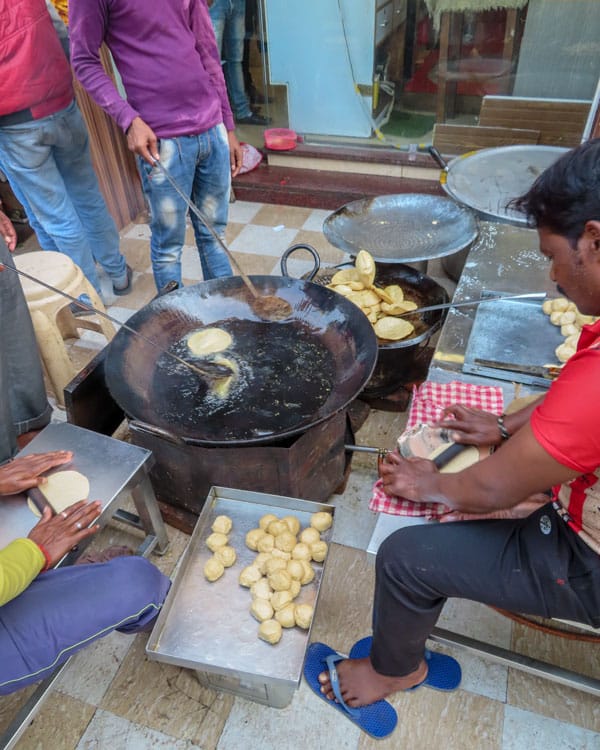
466, 458
62, 489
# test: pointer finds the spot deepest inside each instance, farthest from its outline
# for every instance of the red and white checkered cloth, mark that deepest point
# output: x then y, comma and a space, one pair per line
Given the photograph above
428, 403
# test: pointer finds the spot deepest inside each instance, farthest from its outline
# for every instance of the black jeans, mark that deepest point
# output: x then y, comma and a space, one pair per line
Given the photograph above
535, 565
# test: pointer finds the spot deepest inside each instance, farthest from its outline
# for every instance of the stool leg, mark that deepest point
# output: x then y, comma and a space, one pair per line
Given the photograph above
147, 508
105, 326
53, 354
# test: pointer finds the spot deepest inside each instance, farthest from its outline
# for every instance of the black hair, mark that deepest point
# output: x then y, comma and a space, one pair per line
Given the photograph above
567, 194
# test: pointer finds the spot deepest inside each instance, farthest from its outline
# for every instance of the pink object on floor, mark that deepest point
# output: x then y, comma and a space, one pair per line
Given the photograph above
280, 139
428, 402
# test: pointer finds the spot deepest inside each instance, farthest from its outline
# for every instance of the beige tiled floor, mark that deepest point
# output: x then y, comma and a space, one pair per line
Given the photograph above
111, 696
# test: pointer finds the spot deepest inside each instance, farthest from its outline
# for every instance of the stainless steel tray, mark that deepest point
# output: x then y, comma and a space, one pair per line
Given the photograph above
515, 332
208, 626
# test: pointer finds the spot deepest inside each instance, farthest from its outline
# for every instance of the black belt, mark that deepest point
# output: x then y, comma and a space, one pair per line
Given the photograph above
16, 118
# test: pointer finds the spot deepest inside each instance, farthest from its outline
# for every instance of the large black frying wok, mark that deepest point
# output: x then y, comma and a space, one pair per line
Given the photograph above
293, 373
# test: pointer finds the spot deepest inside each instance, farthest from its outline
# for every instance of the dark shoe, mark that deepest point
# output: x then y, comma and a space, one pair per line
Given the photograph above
89, 558
121, 290
254, 119
79, 311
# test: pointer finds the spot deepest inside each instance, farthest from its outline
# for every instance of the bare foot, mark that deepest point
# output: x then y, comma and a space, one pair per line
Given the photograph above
361, 685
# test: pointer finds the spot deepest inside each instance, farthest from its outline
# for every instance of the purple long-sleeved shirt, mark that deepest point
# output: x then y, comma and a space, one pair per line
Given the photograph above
167, 57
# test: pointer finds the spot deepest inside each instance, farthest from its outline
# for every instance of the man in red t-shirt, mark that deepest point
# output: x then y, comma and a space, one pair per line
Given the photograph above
544, 564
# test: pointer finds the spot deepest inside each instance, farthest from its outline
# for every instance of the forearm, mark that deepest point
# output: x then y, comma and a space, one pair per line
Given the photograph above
20, 563
87, 30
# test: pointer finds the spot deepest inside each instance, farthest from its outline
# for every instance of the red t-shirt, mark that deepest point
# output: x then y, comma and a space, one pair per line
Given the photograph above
567, 425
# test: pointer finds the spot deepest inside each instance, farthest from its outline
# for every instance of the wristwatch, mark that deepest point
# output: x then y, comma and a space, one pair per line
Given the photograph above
504, 433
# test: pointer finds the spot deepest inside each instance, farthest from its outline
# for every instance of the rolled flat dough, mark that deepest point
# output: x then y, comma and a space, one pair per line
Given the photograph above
209, 341
62, 489
466, 458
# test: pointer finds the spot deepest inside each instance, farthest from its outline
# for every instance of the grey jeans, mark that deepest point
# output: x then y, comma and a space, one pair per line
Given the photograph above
23, 402
535, 565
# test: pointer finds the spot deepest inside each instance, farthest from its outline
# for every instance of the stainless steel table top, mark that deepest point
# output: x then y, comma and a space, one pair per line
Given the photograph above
110, 465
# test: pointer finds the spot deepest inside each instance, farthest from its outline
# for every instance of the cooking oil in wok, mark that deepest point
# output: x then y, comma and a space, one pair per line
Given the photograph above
286, 374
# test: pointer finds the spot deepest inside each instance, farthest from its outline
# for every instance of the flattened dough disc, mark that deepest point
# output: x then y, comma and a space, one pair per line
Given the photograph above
62, 489
467, 457
209, 341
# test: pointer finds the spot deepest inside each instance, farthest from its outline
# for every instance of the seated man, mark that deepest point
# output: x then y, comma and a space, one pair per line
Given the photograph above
47, 615
544, 564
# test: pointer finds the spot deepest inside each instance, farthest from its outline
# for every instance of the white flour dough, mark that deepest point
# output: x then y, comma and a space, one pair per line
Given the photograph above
62, 489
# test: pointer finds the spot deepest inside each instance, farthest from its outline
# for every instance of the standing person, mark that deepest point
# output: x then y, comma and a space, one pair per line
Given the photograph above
545, 564
229, 21
176, 111
44, 148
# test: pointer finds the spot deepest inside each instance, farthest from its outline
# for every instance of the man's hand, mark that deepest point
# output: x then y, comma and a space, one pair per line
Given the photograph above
60, 533
470, 426
142, 140
24, 472
400, 476
235, 153
7, 231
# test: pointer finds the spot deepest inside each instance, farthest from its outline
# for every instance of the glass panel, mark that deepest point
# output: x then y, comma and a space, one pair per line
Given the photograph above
384, 72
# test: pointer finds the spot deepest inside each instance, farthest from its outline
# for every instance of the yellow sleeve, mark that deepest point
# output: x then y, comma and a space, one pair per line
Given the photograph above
20, 562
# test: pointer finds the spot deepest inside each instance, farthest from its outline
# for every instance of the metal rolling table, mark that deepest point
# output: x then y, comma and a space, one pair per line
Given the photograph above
504, 259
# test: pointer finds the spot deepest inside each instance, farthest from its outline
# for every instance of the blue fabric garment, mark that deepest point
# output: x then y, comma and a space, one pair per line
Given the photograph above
200, 165
48, 165
66, 609
229, 22
23, 402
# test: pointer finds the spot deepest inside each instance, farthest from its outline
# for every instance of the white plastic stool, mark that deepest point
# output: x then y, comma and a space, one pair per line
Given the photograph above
53, 321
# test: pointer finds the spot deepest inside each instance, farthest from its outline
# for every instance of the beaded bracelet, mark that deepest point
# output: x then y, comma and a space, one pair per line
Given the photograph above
44, 552
504, 433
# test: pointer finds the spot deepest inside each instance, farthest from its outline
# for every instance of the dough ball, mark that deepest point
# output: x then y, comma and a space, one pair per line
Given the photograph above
226, 555
208, 341
572, 340
253, 537
303, 614
292, 523
281, 599
547, 306
270, 631
295, 569
213, 569
261, 561
64, 488
301, 552
567, 317
321, 521
266, 520
261, 609
310, 536
318, 550
266, 543
309, 573
295, 587
275, 564
249, 575
275, 528
569, 329
222, 524
560, 304
216, 540
261, 589
281, 554
286, 541
555, 317
563, 352
286, 617
280, 580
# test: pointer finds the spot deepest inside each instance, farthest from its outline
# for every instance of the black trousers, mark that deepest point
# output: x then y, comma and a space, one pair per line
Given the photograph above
535, 565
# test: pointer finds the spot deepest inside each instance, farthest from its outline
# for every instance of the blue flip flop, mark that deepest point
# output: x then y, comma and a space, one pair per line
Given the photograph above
378, 719
444, 672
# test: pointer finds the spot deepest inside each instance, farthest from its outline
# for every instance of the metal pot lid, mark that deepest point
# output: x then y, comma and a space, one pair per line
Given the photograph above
402, 228
487, 180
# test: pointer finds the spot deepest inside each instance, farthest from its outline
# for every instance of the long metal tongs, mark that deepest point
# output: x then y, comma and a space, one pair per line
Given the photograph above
472, 302
210, 370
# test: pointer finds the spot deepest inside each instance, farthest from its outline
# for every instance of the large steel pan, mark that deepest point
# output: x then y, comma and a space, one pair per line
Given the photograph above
406, 228
293, 373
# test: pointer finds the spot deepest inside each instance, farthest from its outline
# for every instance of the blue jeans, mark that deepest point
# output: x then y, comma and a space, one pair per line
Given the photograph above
200, 166
229, 22
48, 165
